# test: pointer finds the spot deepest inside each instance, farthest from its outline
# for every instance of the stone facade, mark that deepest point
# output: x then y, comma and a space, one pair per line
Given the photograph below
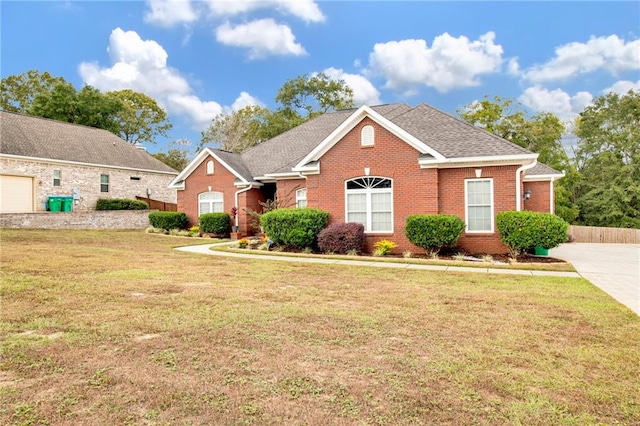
85, 179
107, 219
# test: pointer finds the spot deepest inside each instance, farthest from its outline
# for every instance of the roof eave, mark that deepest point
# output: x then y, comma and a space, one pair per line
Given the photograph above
494, 160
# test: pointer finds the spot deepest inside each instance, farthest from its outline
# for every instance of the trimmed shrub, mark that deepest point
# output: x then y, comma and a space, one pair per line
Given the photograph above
526, 230
295, 228
342, 238
433, 232
168, 220
214, 223
120, 204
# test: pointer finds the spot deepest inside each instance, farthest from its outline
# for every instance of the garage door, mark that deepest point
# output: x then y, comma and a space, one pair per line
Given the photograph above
16, 194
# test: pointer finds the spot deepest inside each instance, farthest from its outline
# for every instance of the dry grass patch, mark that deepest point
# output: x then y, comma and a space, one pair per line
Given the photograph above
149, 335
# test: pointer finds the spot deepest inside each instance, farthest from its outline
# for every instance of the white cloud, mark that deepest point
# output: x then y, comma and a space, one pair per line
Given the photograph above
612, 54
263, 37
363, 91
306, 10
513, 67
555, 101
168, 13
622, 87
244, 100
141, 65
450, 62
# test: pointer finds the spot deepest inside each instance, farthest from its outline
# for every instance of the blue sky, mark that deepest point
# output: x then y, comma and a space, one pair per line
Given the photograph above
199, 59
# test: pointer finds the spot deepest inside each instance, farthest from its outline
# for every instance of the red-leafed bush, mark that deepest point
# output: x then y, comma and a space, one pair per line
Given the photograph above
342, 238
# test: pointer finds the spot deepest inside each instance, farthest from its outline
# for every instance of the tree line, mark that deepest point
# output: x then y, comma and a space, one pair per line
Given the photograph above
601, 186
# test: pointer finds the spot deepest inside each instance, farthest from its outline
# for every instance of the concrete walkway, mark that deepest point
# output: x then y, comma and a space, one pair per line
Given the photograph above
204, 249
614, 268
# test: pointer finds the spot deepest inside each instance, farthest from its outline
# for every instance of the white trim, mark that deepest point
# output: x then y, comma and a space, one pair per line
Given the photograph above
211, 201
196, 162
299, 198
552, 201
371, 135
353, 120
368, 192
211, 167
79, 163
466, 205
491, 160
542, 178
521, 169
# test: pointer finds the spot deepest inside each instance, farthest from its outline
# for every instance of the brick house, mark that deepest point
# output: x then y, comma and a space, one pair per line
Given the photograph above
377, 165
41, 158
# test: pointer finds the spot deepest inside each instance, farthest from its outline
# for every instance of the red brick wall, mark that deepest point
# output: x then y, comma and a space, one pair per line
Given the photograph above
451, 200
415, 190
286, 192
248, 200
199, 181
540, 197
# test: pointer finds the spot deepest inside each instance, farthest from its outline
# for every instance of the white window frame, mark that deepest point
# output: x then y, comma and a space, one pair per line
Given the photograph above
367, 139
369, 212
106, 184
467, 205
211, 202
301, 195
210, 167
57, 178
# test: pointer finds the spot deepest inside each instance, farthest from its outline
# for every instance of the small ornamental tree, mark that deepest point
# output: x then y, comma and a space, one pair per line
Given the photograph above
214, 223
168, 220
295, 228
525, 230
433, 232
342, 238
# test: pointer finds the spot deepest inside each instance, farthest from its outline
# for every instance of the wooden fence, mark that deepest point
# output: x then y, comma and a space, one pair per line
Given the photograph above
593, 234
159, 205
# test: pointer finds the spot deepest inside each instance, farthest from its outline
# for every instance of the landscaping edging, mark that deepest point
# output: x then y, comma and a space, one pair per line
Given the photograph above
94, 219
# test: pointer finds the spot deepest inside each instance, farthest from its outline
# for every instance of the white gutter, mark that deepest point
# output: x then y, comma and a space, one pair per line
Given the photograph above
518, 189
238, 193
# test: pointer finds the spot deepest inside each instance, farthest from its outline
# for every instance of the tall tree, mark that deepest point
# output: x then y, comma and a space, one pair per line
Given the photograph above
609, 155
299, 99
88, 107
17, 92
176, 156
540, 133
313, 95
140, 119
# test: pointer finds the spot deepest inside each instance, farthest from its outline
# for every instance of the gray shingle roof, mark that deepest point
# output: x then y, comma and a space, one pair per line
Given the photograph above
451, 136
235, 162
542, 169
37, 137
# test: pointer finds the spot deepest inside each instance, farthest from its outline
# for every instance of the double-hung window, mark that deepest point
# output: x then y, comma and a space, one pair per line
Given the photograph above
104, 183
301, 198
478, 196
210, 202
369, 201
57, 177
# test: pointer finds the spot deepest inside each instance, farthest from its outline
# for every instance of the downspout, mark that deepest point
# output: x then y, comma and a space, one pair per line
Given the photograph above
238, 193
518, 189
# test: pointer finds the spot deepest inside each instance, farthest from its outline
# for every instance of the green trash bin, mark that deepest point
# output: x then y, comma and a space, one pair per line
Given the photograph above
55, 204
67, 204
541, 251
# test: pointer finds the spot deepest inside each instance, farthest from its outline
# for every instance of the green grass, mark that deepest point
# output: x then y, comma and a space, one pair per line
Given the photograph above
108, 327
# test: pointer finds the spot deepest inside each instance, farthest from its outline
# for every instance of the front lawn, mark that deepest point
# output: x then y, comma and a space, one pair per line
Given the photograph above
108, 327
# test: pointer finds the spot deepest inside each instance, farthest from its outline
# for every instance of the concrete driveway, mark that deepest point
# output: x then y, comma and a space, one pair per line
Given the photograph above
614, 268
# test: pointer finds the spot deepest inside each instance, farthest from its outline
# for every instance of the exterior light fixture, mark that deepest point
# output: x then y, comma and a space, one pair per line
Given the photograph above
527, 194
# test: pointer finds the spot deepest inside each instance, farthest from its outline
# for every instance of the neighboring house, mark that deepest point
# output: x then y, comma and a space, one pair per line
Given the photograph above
376, 165
41, 158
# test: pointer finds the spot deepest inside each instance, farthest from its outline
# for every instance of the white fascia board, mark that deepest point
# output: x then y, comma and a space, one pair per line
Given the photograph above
310, 170
198, 160
543, 178
79, 163
494, 160
351, 122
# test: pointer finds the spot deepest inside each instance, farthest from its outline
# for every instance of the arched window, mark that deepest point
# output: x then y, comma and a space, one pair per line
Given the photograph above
367, 136
210, 167
369, 200
210, 202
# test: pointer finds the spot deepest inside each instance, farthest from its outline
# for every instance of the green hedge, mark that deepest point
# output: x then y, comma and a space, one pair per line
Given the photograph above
214, 223
295, 228
433, 232
120, 204
168, 220
525, 230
